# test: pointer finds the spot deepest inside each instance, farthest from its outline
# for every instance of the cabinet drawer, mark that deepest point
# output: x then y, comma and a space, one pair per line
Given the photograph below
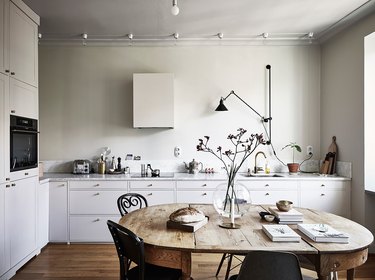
158, 197
98, 185
270, 197
319, 185
204, 196
94, 202
198, 184
154, 184
91, 228
265, 185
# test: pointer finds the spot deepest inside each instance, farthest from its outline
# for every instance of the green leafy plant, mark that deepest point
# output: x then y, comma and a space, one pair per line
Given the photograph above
294, 146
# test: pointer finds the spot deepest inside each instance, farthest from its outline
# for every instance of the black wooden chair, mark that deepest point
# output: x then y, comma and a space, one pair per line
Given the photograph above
269, 265
130, 248
130, 201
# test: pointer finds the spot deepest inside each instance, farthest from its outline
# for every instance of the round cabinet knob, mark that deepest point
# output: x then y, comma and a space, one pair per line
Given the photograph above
204, 194
12, 73
149, 185
322, 194
97, 185
7, 71
13, 111
26, 174
95, 194
204, 185
7, 179
7, 186
267, 185
13, 184
149, 194
267, 194
96, 220
322, 185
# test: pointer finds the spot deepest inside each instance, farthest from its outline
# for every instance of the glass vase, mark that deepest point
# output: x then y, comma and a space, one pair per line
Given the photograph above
231, 200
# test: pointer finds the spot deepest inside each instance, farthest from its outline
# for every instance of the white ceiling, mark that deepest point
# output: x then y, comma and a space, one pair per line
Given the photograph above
199, 19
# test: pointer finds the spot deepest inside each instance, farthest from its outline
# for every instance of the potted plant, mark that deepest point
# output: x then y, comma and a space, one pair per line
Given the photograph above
293, 167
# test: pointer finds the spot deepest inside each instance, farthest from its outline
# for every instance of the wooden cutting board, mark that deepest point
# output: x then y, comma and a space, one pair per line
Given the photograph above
334, 150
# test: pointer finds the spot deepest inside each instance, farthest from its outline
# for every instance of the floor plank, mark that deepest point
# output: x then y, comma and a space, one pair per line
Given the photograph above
99, 261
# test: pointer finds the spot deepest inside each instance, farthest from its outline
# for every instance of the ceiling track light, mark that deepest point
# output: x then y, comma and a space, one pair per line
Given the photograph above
40, 36
175, 10
310, 35
130, 36
265, 35
176, 35
220, 35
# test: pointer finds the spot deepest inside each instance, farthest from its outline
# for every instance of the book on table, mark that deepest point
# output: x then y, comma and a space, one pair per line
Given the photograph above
323, 233
189, 227
281, 233
291, 217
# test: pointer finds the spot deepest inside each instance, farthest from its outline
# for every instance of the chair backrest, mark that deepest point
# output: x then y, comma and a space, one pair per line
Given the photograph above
270, 265
129, 201
130, 248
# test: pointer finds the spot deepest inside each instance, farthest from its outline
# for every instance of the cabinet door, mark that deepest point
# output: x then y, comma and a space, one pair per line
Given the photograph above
23, 46
195, 196
271, 196
43, 214
156, 197
4, 128
20, 217
23, 99
4, 259
58, 211
4, 47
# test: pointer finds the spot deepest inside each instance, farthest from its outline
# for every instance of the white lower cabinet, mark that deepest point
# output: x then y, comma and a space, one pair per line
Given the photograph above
328, 196
91, 204
21, 219
196, 191
4, 260
58, 211
155, 191
43, 214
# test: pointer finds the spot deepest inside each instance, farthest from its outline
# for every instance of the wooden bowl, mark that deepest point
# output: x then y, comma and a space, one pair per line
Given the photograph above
284, 205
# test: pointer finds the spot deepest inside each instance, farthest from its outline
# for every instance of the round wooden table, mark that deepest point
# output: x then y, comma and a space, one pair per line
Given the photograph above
173, 248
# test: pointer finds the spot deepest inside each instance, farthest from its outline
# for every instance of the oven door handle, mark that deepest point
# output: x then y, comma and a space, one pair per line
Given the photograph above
25, 131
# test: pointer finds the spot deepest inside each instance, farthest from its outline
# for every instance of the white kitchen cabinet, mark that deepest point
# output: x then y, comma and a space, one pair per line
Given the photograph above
268, 192
4, 44
329, 196
43, 214
23, 45
20, 218
23, 99
4, 129
153, 100
58, 211
91, 204
155, 191
196, 191
4, 257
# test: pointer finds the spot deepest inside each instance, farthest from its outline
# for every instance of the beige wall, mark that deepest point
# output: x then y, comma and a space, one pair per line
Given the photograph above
86, 98
342, 107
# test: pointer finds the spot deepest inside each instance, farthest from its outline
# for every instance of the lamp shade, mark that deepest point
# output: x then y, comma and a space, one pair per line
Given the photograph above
221, 106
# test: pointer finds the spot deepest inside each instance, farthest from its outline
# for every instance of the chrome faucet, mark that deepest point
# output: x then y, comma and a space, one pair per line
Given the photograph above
256, 168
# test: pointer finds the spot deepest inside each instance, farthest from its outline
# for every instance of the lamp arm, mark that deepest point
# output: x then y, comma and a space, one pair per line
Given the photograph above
232, 92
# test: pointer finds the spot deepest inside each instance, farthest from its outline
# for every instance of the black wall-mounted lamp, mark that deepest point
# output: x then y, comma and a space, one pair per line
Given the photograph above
222, 107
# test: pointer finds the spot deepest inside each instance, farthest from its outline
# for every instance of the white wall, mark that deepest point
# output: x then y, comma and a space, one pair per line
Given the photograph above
342, 106
86, 98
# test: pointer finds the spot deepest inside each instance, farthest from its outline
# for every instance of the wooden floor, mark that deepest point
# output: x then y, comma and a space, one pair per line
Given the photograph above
81, 261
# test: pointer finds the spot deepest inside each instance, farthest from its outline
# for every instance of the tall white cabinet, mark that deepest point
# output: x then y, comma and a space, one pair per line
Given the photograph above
19, 96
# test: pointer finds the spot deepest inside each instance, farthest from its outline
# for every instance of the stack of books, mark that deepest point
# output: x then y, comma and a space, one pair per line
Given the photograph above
323, 233
290, 217
281, 233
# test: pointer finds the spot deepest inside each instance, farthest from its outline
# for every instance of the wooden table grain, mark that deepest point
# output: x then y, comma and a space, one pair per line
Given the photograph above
173, 248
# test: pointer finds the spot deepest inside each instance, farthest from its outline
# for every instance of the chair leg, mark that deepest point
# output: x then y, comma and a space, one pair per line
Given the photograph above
334, 275
220, 264
229, 266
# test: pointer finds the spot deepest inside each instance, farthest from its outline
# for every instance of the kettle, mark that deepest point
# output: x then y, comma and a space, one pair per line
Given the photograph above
193, 167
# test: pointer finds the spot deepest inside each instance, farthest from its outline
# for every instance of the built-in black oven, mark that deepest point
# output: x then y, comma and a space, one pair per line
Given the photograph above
23, 143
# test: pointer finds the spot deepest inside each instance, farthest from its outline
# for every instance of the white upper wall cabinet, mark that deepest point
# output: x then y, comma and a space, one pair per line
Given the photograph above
23, 48
4, 47
153, 100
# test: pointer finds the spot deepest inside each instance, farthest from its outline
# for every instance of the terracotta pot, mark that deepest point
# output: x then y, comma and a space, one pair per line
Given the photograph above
293, 167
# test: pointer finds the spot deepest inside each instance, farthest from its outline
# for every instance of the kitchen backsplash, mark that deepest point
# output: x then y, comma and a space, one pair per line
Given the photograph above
343, 169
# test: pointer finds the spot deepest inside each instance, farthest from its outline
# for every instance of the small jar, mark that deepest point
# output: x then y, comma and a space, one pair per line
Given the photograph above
101, 167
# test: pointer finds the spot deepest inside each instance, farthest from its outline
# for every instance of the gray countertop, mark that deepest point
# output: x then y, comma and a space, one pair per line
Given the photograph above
185, 176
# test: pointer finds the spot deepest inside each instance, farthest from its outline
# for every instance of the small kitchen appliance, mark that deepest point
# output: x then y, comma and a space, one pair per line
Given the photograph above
81, 166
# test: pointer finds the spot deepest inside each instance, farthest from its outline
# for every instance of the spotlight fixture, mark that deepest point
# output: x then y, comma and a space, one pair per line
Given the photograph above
220, 35
310, 35
40, 36
130, 36
84, 38
175, 9
265, 35
176, 35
